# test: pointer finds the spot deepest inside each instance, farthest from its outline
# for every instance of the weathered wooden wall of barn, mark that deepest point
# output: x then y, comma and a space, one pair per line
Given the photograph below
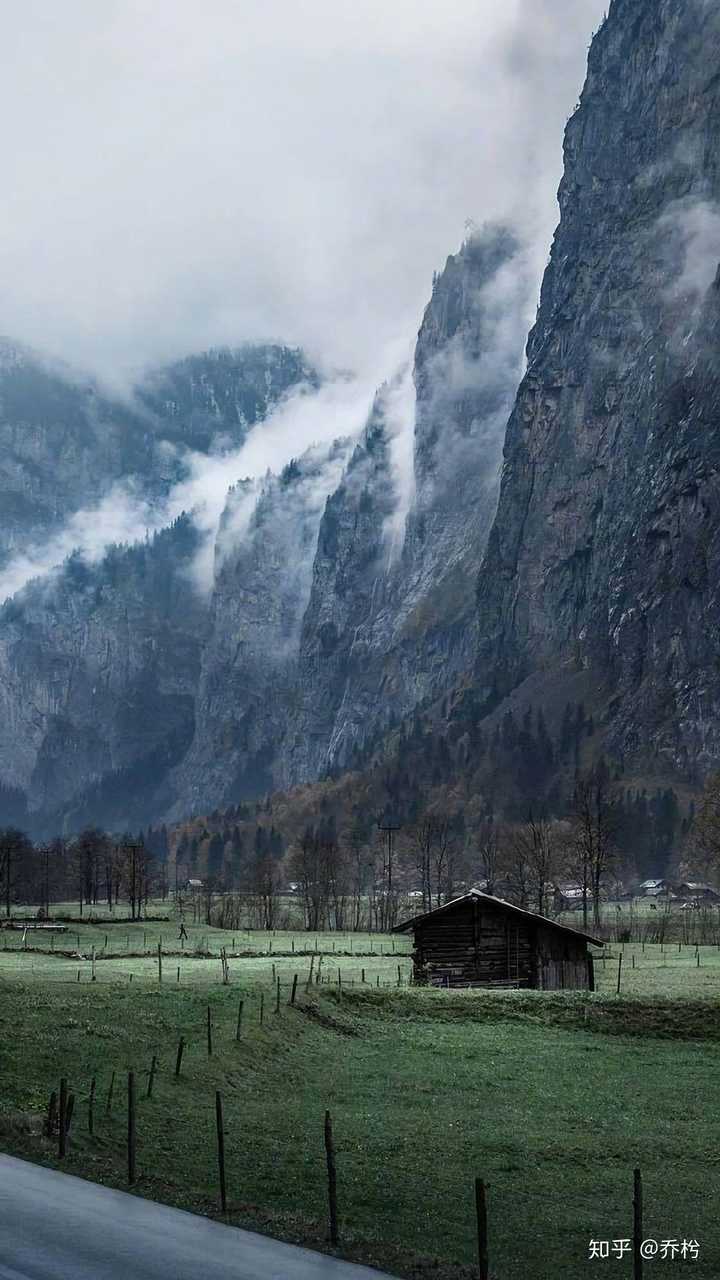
475, 943
562, 961
478, 943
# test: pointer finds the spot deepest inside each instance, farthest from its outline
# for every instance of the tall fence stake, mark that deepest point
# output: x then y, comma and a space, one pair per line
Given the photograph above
151, 1077
482, 1229
294, 989
131, 1132
332, 1179
62, 1119
91, 1108
108, 1104
221, 1148
51, 1115
159, 962
209, 1033
178, 1060
620, 960
239, 1021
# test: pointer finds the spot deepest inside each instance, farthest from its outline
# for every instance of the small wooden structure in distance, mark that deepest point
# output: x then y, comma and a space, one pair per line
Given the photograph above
478, 940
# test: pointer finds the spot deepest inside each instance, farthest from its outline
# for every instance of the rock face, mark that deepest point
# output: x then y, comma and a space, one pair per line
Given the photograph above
330, 616
249, 679
100, 663
605, 553
387, 629
63, 443
594, 563
98, 671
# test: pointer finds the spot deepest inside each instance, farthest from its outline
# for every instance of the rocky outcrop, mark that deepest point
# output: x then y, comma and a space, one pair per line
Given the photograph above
100, 663
605, 553
212, 400
98, 671
249, 676
389, 627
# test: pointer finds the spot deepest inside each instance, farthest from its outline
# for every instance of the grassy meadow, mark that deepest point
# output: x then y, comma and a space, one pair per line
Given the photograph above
551, 1098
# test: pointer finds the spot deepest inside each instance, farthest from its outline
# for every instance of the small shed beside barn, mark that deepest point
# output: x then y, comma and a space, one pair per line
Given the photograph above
478, 940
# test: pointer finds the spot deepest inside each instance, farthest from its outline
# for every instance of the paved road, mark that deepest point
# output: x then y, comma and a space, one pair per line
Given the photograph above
56, 1227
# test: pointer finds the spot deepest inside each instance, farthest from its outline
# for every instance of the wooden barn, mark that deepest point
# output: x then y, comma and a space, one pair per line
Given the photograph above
478, 940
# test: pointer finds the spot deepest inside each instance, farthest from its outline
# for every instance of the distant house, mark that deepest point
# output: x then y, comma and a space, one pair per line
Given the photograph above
194, 885
654, 888
695, 891
569, 897
478, 940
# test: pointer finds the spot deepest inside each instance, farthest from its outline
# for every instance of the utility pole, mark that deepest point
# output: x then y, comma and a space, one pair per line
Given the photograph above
388, 828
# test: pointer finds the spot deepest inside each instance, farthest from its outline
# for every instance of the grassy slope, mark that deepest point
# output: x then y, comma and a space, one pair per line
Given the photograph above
426, 1090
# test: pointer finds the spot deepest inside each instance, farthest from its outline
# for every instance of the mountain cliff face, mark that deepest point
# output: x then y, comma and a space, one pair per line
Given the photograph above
64, 444
386, 630
248, 679
98, 671
605, 554
587, 573
100, 663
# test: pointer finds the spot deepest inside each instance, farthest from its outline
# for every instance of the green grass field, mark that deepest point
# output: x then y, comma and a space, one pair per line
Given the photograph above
552, 1098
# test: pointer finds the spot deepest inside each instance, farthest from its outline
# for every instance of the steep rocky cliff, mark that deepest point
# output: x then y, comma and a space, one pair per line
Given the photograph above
249, 680
604, 558
389, 627
98, 671
100, 662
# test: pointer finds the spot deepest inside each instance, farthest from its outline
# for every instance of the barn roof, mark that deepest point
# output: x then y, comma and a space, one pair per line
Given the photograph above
506, 906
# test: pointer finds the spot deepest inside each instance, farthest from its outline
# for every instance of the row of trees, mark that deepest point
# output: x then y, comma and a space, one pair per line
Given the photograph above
364, 876
92, 869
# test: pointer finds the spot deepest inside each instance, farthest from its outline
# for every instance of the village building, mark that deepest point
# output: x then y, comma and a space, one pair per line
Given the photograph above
477, 940
697, 892
655, 888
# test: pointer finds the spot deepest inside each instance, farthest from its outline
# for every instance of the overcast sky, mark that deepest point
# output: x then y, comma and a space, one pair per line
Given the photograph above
177, 175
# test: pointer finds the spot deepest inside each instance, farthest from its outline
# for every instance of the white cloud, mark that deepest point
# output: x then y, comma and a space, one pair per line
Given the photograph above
176, 177
694, 250
303, 419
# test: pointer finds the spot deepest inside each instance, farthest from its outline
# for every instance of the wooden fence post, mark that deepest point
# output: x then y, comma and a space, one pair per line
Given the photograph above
239, 1021
62, 1119
482, 1228
262, 1006
332, 1179
178, 1060
294, 989
277, 997
131, 1130
637, 1225
209, 1033
151, 1077
159, 954
108, 1104
221, 1149
91, 1108
69, 1112
51, 1115
620, 960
